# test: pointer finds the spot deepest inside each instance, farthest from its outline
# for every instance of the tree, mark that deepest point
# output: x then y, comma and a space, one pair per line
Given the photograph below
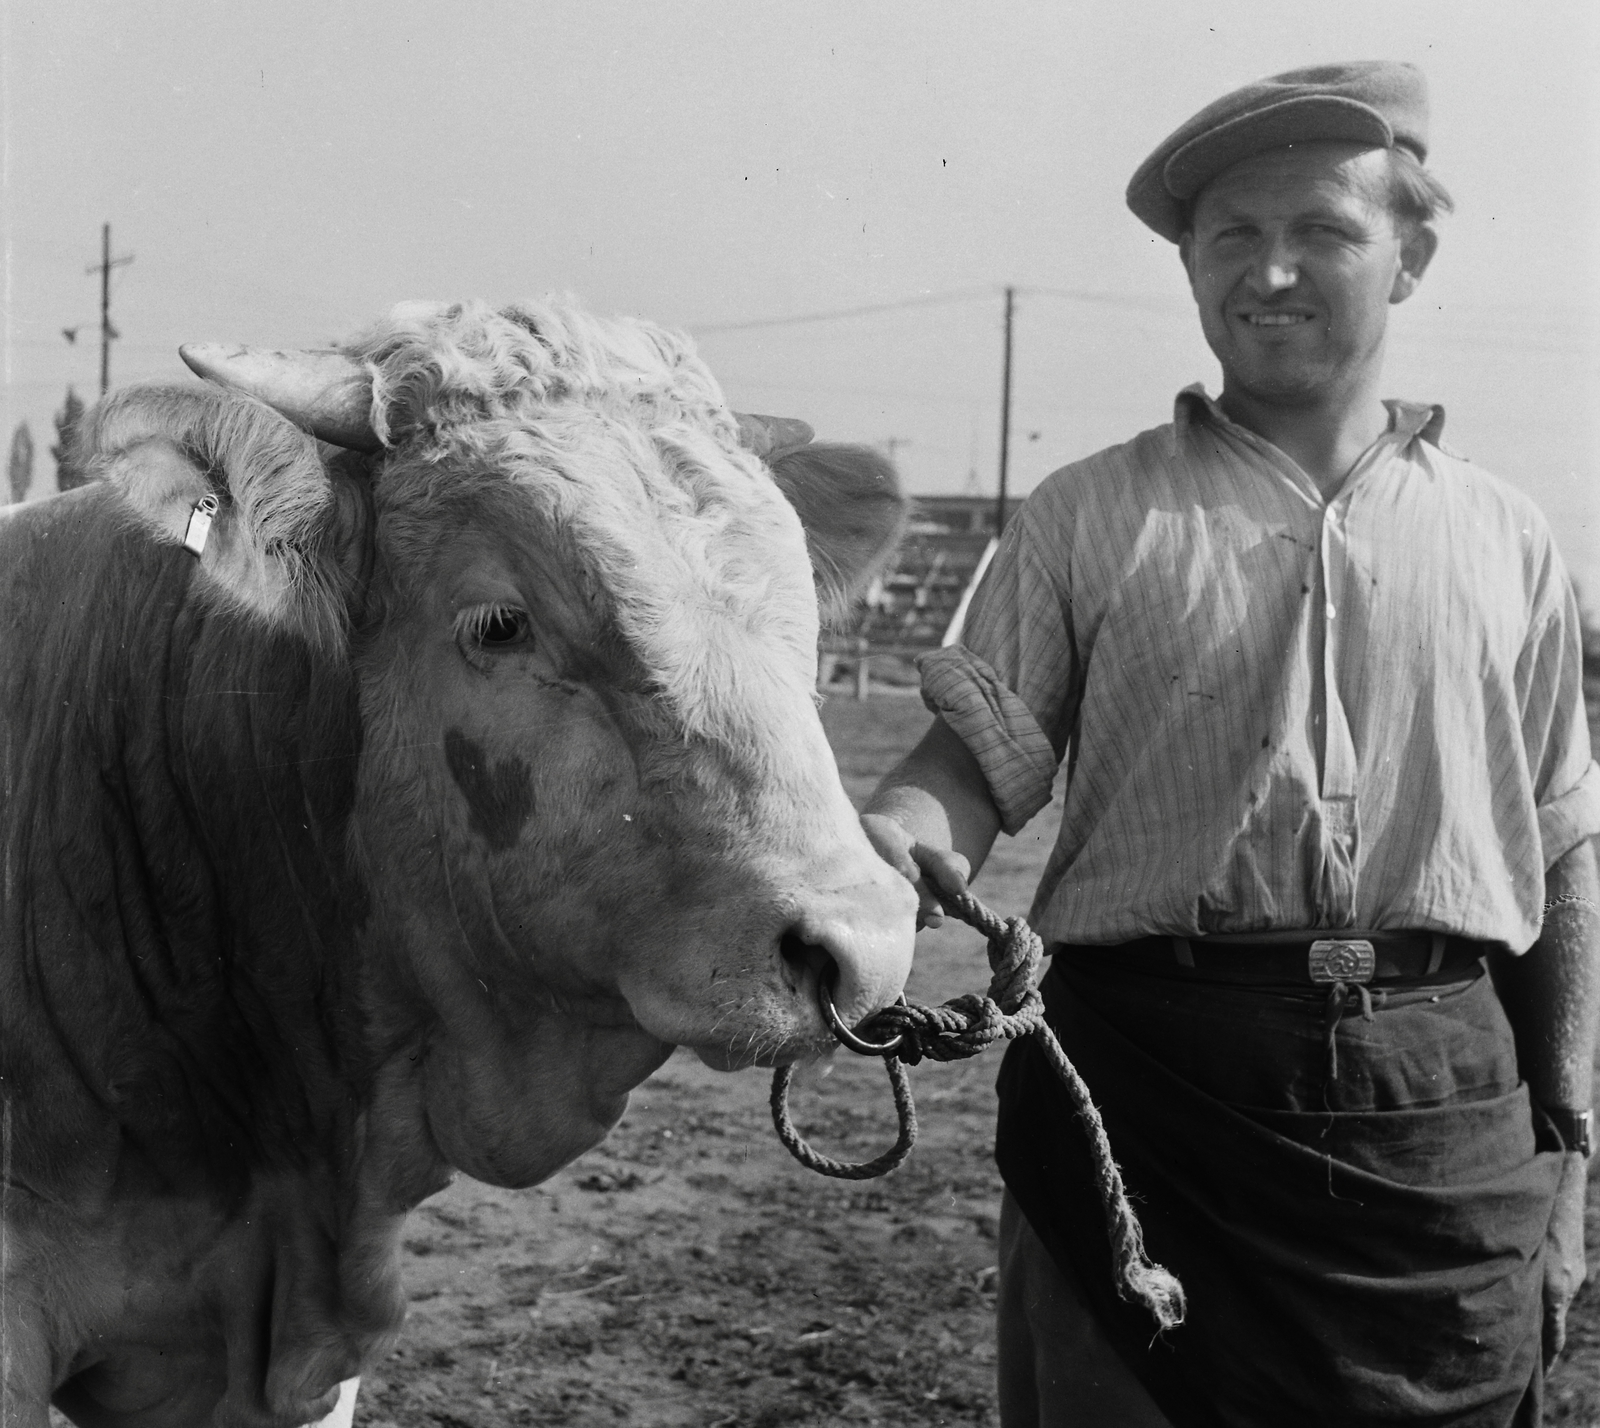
21, 466
69, 469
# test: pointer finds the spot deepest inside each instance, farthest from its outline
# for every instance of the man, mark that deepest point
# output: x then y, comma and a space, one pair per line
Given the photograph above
1317, 681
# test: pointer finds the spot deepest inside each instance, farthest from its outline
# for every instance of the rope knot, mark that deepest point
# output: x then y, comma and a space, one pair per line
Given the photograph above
966, 1025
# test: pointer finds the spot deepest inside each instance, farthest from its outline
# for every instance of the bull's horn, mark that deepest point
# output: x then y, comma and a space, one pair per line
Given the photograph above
323, 392
770, 435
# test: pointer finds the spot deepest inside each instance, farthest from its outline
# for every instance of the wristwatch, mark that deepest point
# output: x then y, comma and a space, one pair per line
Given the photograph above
1576, 1128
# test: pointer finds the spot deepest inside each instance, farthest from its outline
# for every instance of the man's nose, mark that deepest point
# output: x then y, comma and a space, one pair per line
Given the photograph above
1276, 268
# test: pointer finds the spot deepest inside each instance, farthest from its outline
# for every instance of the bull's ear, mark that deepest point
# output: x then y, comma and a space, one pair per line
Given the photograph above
287, 537
850, 503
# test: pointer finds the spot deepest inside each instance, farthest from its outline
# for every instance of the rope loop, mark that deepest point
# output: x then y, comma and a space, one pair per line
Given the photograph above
891, 1159
965, 1026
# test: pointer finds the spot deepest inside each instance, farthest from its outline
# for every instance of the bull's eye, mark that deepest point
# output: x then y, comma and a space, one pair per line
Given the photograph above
496, 627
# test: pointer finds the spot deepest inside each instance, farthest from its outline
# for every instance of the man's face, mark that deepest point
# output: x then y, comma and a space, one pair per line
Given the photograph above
1293, 260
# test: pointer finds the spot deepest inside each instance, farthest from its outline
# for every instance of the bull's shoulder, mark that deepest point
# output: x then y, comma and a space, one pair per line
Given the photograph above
41, 539
177, 917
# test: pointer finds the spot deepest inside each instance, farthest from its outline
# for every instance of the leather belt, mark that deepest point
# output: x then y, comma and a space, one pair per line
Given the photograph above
1308, 958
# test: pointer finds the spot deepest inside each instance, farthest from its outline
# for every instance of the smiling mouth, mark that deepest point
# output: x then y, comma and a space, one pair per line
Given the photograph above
1276, 319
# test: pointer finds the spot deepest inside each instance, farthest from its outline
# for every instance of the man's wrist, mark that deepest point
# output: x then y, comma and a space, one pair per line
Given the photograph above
1576, 1128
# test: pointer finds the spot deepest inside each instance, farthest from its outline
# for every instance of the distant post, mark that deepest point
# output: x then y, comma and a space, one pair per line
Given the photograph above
107, 331
1005, 418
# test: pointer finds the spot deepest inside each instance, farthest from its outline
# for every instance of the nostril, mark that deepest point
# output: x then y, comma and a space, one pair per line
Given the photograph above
798, 957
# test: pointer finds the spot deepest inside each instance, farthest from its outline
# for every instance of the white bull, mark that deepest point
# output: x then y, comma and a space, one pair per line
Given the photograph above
470, 765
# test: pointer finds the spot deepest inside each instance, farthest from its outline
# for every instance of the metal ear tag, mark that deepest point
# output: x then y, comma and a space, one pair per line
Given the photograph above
194, 537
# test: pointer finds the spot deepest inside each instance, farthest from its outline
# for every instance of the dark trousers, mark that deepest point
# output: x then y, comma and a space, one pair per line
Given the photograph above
1357, 1215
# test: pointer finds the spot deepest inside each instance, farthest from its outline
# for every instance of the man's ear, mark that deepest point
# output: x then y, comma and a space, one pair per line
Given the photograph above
287, 541
849, 501
1416, 251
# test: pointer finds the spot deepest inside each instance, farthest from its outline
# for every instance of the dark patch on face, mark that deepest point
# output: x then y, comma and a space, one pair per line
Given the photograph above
500, 797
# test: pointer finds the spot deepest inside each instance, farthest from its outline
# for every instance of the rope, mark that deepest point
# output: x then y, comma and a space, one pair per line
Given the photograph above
966, 1026
891, 1159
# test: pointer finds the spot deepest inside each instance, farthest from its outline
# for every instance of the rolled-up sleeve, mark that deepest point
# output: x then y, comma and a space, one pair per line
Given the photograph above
1011, 689
1555, 726
999, 729
1567, 819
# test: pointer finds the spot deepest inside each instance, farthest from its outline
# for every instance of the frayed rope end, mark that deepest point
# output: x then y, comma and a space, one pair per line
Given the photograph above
1158, 1290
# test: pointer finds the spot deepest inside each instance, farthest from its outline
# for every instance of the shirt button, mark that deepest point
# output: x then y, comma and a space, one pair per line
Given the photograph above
1330, 612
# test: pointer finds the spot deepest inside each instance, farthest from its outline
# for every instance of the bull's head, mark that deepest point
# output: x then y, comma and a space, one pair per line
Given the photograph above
595, 813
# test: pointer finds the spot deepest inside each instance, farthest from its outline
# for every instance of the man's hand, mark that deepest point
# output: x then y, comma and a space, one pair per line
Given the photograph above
933, 871
932, 819
1552, 996
1564, 1267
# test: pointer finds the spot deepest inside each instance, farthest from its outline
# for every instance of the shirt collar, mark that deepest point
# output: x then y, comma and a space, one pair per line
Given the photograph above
1194, 406
1411, 419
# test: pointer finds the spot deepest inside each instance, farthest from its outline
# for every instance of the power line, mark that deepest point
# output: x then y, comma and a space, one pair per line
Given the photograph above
928, 300
924, 396
1148, 304
54, 343
931, 300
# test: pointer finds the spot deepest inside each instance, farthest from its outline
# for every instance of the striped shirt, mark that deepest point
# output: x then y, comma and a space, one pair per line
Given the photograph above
1279, 711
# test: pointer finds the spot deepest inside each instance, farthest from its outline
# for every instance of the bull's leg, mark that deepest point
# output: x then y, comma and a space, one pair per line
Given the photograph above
24, 1361
344, 1413
26, 1412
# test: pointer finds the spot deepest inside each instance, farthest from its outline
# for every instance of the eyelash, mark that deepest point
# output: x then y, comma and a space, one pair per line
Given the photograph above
494, 626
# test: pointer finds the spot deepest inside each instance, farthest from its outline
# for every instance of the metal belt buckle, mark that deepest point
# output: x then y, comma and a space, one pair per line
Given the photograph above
1338, 960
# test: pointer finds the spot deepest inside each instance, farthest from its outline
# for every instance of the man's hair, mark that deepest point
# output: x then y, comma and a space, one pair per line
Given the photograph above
1412, 195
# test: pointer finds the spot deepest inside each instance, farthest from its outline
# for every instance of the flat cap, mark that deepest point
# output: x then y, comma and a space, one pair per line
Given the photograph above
1374, 102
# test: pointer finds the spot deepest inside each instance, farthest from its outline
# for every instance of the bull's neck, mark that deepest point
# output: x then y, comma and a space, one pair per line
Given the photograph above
176, 808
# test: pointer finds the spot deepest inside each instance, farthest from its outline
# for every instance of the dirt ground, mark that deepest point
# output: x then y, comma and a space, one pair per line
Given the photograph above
688, 1272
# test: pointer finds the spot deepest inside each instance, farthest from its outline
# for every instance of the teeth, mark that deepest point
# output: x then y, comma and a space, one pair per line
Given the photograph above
1275, 319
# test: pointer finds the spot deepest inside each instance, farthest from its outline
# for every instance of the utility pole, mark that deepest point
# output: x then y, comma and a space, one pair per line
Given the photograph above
107, 331
1005, 418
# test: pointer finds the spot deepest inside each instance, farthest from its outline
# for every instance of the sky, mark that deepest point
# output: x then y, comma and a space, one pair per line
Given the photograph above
283, 174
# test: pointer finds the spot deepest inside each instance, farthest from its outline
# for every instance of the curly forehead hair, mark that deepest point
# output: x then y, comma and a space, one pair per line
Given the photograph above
1412, 195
